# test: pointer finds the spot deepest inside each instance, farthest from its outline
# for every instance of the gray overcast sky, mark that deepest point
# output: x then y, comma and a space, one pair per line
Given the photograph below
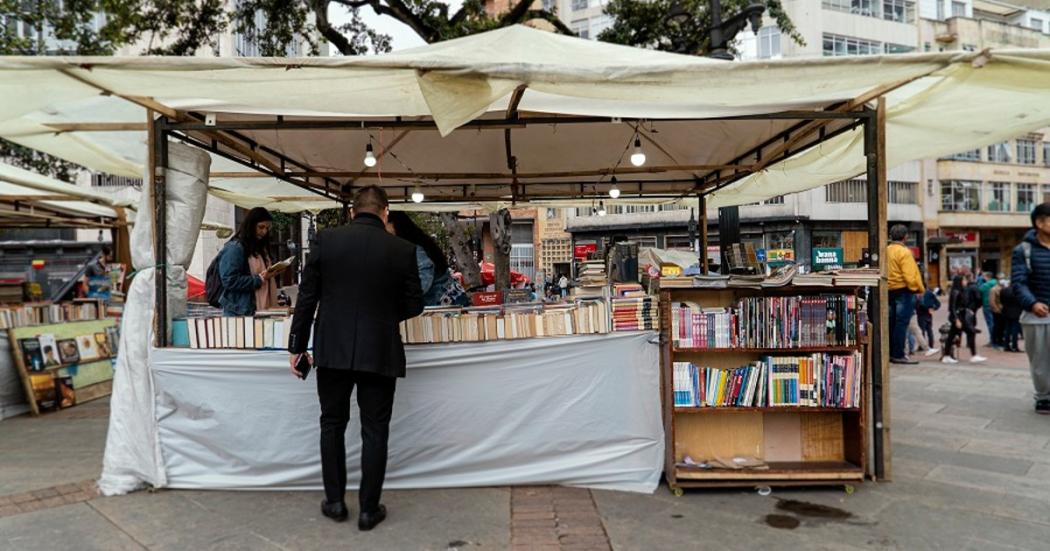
402, 36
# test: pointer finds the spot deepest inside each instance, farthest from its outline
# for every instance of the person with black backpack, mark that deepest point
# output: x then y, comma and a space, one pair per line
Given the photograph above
238, 275
1011, 315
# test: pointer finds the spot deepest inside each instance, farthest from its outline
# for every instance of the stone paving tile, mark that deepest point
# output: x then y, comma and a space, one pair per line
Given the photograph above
991, 482
47, 498
963, 459
556, 517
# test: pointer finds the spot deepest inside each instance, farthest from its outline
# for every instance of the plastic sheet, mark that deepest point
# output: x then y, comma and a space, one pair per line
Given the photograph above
578, 411
12, 391
132, 456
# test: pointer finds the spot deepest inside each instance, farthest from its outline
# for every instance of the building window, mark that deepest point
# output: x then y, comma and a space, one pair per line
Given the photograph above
999, 153
1036, 24
958, 9
582, 27
644, 241
111, 181
900, 11
599, 24
827, 239
523, 259
1026, 152
903, 193
769, 42
847, 191
898, 48
838, 45
972, 155
960, 195
780, 240
778, 200
680, 242
1025, 197
550, 5
1046, 153
999, 197
1044, 197
578, 5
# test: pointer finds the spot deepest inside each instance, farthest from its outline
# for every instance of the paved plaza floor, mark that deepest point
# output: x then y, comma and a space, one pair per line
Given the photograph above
971, 465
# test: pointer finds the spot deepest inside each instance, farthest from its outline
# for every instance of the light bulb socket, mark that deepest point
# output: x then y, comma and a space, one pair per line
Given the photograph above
368, 148
637, 142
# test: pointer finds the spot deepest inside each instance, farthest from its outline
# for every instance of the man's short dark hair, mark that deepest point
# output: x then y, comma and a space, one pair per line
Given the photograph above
371, 199
106, 251
899, 232
1040, 211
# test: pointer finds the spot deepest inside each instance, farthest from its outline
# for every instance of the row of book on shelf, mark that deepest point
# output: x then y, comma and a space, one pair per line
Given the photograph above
26, 315
45, 352
633, 309
815, 380
780, 277
442, 325
243, 332
769, 322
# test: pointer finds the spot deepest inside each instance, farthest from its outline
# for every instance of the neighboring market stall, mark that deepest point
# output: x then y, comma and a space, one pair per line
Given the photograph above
510, 117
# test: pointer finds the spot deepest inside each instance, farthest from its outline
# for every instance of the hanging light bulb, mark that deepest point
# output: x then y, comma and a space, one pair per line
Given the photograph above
638, 157
370, 156
614, 191
601, 208
417, 195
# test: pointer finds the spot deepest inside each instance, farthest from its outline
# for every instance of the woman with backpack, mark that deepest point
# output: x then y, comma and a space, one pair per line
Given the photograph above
963, 303
246, 284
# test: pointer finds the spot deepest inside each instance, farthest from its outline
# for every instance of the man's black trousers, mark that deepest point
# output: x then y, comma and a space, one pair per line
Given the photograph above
375, 398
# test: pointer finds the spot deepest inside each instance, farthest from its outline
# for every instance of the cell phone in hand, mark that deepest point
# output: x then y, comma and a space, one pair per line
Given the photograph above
302, 367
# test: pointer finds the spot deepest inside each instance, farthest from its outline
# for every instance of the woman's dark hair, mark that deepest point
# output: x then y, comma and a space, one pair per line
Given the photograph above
246, 233
408, 230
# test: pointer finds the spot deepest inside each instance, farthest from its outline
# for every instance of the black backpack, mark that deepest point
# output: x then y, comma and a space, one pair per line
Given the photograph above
213, 282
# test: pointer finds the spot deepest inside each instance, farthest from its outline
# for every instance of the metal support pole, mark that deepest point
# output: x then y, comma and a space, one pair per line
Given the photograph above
728, 232
874, 150
159, 164
702, 231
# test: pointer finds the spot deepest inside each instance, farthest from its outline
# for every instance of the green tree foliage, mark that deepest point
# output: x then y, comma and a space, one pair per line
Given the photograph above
644, 23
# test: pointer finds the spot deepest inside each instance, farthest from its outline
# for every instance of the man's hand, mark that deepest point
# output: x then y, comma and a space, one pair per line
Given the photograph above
293, 360
1041, 310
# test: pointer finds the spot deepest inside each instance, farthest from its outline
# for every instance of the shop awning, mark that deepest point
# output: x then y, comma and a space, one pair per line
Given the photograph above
437, 117
28, 199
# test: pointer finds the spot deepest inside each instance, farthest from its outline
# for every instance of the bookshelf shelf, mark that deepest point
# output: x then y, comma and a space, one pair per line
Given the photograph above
802, 350
800, 445
771, 409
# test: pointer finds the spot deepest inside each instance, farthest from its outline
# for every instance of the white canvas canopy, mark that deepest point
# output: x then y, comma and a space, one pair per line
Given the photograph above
28, 199
577, 106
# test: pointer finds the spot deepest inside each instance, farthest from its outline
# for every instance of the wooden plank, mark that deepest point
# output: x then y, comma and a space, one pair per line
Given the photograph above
853, 245
94, 392
725, 436
782, 436
822, 437
830, 470
884, 319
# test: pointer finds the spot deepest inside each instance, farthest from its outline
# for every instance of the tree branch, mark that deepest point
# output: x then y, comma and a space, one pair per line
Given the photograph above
517, 14
320, 9
550, 17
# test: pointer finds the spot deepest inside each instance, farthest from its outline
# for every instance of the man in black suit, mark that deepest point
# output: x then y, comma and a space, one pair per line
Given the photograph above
366, 282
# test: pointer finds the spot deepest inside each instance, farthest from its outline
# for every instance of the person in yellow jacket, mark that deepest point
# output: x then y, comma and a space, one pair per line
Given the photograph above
904, 281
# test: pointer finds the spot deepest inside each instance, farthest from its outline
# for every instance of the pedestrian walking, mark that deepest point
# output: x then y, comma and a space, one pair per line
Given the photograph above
924, 314
964, 301
996, 306
1011, 315
985, 286
1030, 279
904, 281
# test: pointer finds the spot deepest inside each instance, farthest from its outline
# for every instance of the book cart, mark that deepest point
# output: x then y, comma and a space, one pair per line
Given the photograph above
799, 445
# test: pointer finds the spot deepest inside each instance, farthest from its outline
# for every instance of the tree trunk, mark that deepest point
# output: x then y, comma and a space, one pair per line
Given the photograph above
464, 258
499, 225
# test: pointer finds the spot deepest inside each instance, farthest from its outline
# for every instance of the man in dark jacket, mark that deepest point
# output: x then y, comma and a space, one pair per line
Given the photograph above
1011, 316
1030, 277
366, 282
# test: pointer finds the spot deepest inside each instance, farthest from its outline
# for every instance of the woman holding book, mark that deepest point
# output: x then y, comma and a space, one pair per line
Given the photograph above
435, 277
247, 285
963, 303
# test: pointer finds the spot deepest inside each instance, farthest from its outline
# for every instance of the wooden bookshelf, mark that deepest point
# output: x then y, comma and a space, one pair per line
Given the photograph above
801, 445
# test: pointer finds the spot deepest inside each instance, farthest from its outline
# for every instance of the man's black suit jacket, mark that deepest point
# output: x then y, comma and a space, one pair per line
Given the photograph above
366, 281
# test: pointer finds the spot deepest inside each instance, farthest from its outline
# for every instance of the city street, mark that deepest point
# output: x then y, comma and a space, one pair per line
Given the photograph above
971, 465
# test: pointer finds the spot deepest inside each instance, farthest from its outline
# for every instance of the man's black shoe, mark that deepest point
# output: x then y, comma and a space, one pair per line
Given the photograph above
1042, 407
335, 511
905, 361
368, 521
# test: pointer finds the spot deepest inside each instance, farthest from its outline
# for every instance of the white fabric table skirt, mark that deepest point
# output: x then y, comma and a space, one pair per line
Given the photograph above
576, 411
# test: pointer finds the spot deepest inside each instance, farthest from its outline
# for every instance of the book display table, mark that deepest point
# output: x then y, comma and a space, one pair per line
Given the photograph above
578, 411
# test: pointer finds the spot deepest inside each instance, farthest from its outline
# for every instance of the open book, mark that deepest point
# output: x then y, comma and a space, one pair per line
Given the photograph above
281, 266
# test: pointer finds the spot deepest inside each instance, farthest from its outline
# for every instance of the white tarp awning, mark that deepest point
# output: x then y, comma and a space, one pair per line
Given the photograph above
32, 199
981, 97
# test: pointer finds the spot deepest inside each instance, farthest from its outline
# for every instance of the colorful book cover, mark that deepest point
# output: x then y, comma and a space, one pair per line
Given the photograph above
49, 349
32, 357
102, 342
87, 348
68, 351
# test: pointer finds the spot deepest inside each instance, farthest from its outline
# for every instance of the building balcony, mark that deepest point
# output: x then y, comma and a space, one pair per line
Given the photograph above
983, 219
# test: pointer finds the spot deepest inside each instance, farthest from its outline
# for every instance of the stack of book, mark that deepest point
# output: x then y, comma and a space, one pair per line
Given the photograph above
592, 280
444, 325
863, 277
635, 314
767, 322
814, 279
817, 380
48, 313
258, 332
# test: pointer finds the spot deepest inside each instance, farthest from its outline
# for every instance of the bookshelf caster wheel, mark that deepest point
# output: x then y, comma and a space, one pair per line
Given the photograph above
678, 492
850, 489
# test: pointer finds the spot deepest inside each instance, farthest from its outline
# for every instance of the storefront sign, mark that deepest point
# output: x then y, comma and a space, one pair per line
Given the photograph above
827, 258
963, 236
581, 251
780, 256
486, 298
515, 296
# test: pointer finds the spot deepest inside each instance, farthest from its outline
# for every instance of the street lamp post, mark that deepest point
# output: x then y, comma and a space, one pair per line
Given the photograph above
721, 32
